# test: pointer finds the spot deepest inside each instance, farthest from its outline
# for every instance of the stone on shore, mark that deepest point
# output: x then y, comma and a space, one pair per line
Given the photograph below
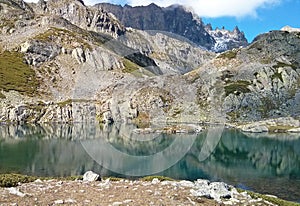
90, 176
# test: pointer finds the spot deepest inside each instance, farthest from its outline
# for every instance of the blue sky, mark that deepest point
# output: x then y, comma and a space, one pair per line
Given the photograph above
251, 16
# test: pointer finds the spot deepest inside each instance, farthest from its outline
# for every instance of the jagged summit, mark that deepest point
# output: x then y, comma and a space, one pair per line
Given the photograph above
225, 39
175, 19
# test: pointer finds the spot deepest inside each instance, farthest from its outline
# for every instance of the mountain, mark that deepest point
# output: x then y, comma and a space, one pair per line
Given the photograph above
226, 40
64, 62
178, 20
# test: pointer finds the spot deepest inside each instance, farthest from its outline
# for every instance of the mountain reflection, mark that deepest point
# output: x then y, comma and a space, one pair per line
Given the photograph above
262, 162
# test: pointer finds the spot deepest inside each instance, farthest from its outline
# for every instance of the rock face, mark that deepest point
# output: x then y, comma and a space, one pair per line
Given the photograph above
173, 19
85, 74
178, 20
77, 13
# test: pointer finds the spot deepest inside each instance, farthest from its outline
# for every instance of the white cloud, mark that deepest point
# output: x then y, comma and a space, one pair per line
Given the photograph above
204, 8
215, 8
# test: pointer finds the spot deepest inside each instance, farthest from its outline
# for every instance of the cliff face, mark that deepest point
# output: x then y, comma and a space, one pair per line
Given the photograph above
178, 20
56, 67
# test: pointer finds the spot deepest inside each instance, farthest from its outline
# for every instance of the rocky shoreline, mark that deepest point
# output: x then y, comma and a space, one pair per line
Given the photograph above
115, 191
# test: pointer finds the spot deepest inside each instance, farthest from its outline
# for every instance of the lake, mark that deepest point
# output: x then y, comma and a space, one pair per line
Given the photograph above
265, 163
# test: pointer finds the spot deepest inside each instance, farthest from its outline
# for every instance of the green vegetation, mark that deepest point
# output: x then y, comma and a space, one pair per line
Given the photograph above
70, 101
66, 36
229, 54
12, 180
266, 106
279, 128
134, 69
277, 75
2, 96
281, 65
237, 87
10, 23
160, 178
17, 75
113, 179
65, 103
274, 200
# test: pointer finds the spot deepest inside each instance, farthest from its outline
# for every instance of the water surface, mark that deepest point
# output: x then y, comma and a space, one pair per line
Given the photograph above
263, 163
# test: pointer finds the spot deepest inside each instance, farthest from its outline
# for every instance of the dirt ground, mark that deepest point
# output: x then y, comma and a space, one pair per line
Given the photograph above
124, 192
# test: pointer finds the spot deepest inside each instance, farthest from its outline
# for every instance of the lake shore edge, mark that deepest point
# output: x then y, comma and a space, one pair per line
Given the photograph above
19, 189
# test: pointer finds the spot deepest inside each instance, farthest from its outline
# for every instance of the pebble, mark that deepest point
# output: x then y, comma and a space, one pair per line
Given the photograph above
155, 181
117, 203
185, 183
38, 181
58, 202
127, 201
70, 201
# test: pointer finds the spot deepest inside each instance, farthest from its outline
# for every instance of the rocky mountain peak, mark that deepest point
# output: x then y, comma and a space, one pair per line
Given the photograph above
225, 39
175, 19
179, 20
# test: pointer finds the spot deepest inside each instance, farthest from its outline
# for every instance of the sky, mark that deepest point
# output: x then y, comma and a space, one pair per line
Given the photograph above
253, 17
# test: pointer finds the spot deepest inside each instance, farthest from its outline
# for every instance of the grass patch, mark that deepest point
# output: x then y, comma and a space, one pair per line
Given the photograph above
274, 200
228, 55
277, 75
113, 179
160, 178
70, 101
17, 75
134, 69
237, 87
281, 65
12, 180
65, 36
279, 128
65, 103
2, 96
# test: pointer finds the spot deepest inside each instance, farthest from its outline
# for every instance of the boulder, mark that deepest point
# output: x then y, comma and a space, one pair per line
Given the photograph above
254, 128
90, 176
294, 130
79, 55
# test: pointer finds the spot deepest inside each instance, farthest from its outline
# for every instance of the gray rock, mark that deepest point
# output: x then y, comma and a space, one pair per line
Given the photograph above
90, 176
294, 130
214, 190
185, 183
79, 55
58, 202
254, 128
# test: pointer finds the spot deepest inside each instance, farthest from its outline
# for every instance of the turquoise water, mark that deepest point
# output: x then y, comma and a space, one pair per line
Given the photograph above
262, 163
